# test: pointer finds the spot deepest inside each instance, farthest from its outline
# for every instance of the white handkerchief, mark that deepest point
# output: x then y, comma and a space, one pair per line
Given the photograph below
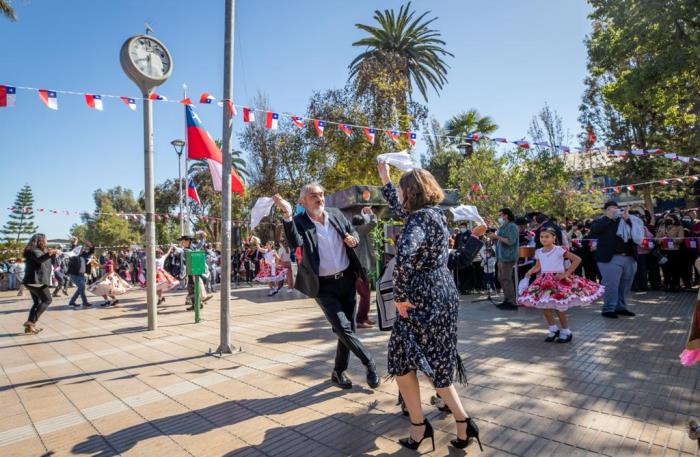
261, 209
467, 213
401, 160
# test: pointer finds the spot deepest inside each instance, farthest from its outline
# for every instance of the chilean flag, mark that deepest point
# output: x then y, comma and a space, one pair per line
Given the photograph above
130, 102
499, 140
298, 121
49, 98
411, 138
248, 115
230, 107
192, 191
370, 134
201, 146
94, 101
319, 125
522, 144
155, 96
206, 98
393, 135
7, 96
271, 120
345, 128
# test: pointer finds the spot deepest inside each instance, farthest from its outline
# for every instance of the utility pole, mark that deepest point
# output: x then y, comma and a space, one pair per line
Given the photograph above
225, 346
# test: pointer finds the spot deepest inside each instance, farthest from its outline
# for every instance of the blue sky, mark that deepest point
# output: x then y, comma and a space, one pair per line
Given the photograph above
511, 57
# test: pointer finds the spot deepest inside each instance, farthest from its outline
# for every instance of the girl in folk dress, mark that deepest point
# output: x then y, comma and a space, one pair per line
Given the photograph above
557, 289
164, 280
110, 285
270, 271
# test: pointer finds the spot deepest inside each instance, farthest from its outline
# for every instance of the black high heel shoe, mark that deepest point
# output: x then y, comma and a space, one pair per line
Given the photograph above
428, 433
472, 434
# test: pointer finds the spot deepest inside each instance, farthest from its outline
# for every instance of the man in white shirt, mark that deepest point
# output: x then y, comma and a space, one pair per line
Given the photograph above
327, 272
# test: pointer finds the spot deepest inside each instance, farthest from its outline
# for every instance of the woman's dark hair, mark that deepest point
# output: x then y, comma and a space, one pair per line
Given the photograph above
508, 213
33, 243
420, 189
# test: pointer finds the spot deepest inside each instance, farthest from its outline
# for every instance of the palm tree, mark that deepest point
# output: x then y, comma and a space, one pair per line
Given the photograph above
7, 10
463, 124
407, 42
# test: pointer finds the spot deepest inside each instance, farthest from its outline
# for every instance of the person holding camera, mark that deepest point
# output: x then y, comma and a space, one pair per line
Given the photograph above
617, 260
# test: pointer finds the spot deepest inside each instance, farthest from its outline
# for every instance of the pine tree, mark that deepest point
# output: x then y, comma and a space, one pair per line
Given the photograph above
21, 224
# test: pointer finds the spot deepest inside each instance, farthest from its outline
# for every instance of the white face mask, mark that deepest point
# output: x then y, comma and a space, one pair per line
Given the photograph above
500, 221
462, 230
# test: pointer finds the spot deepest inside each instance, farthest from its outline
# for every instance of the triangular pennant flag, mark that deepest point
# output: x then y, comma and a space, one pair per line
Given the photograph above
130, 102
206, 99
370, 134
155, 96
345, 128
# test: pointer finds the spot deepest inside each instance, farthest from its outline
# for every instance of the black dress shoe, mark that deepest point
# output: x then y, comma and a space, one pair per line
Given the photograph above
341, 380
565, 339
507, 306
554, 336
609, 314
625, 312
372, 377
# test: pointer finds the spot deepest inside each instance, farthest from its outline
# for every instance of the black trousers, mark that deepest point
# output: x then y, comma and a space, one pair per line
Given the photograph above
41, 296
337, 301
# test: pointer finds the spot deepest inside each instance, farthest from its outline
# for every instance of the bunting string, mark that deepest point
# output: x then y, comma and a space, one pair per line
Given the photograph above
271, 121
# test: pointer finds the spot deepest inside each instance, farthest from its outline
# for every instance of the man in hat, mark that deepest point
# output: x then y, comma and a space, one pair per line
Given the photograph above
617, 260
187, 244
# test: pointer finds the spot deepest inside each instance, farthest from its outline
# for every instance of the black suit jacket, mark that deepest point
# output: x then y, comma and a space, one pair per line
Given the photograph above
38, 270
301, 231
605, 230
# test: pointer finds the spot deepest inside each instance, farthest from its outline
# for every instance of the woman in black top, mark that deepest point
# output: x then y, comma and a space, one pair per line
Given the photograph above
37, 278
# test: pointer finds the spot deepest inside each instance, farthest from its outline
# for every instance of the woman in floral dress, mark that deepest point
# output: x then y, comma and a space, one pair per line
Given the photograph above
424, 337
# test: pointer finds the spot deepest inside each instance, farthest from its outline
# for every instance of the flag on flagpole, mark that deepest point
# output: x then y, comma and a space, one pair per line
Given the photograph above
155, 96
271, 120
298, 121
49, 98
345, 128
130, 102
319, 126
393, 135
370, 134
7, 96
201, 146
248, 115
411, 138
206, 99
192, 191
186, 101
94, 101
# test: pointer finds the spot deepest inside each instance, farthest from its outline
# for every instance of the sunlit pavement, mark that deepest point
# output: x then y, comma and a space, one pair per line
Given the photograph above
95, 382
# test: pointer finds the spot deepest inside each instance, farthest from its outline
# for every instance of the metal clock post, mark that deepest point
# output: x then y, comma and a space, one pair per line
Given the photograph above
147, 62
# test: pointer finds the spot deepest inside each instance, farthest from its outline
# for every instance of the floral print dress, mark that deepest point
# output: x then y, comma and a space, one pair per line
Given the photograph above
427, 339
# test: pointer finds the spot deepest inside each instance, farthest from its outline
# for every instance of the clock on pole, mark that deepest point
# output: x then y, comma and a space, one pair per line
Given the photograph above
147, 62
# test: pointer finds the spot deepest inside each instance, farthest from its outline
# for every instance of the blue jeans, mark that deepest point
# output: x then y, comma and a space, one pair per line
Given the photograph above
618, 276
11, 281
79, 281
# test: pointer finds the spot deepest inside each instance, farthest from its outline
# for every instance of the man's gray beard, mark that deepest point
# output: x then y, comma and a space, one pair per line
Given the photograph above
316, 212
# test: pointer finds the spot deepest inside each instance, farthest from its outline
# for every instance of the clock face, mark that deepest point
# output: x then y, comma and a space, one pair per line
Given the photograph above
149, 57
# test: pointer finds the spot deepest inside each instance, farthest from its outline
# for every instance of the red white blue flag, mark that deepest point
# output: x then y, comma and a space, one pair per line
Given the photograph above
94, 101
7, 96
248, 115
230, 107
271, 120
370, 134
155, 96
206, 98
49, 98
298, 121
393, 135
319, 126
522, 144
499, 140
130, 102
411, 138
345, 128
192, 191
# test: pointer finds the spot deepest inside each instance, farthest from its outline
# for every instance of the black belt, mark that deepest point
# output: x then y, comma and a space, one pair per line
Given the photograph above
334, 277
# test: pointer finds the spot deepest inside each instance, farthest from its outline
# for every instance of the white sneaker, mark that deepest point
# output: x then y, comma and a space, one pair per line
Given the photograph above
289, 291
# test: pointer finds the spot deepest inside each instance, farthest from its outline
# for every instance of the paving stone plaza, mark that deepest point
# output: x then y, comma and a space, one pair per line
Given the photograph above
95, 382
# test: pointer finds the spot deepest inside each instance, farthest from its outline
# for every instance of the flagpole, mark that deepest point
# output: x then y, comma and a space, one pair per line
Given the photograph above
225, 346
184, 220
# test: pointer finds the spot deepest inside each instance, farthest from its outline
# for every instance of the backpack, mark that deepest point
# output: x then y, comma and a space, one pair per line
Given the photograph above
76, 265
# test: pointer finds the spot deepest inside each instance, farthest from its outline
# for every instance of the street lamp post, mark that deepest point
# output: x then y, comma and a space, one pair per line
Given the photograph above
147, 62
179, 145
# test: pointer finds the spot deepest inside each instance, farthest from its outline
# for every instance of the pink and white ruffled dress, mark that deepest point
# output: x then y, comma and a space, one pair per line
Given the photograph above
548, 292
